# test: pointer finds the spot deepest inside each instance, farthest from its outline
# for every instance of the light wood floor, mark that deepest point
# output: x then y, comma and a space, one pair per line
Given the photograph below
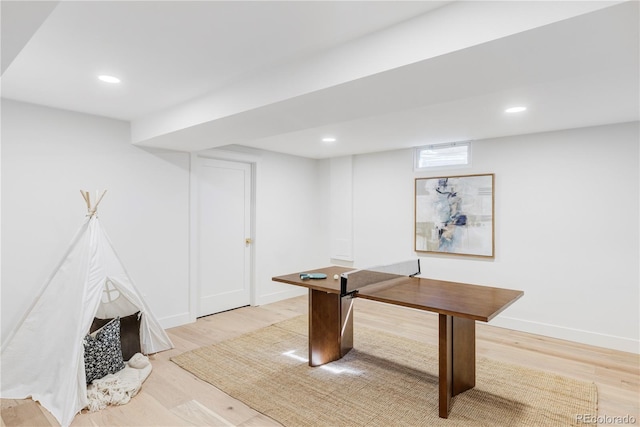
173, 397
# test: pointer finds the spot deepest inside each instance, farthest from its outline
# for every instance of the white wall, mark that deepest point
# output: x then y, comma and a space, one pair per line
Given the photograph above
566, 229
566, 219
48, 155
290, 223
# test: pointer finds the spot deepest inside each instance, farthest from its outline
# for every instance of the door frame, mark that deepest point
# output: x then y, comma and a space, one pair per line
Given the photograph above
194, 251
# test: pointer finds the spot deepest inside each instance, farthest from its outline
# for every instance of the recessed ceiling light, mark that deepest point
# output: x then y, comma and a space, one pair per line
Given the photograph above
515, 110
329, 139
109, 79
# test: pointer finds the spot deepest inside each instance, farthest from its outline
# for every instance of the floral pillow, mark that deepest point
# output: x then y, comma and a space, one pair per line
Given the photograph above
102, 351
129, 333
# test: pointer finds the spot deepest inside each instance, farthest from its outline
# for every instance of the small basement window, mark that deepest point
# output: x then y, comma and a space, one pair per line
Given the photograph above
442, 155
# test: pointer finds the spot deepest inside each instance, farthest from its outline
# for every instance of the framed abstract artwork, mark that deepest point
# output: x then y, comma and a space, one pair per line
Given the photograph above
455, 215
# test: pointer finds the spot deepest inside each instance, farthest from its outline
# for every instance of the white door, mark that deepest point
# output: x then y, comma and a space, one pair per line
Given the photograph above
224, 235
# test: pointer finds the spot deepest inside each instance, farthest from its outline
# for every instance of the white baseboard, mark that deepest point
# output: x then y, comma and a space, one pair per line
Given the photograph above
577, 335
185, 318
175, 320
279, 296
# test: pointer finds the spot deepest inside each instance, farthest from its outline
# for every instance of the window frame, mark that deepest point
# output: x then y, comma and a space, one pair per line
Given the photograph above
418, 150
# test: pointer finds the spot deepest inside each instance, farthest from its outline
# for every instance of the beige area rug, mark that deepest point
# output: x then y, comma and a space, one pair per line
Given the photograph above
384, 381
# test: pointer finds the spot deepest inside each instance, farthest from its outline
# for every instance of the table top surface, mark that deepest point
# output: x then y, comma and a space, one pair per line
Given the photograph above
451, 298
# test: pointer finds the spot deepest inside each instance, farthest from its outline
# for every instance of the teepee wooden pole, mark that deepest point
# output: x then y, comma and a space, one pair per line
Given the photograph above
85, 196
99, 200
91, 210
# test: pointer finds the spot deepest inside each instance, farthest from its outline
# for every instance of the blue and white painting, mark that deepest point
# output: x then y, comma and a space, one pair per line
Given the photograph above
455, 215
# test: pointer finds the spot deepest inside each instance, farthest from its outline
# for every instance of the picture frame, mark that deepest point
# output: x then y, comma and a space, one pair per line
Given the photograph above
454, 215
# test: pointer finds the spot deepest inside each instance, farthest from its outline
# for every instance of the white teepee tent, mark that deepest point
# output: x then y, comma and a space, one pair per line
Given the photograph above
43, 358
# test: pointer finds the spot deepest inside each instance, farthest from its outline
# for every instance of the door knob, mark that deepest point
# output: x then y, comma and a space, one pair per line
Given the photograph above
248, 240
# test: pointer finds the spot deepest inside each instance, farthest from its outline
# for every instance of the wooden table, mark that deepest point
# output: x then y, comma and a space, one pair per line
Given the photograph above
458, 306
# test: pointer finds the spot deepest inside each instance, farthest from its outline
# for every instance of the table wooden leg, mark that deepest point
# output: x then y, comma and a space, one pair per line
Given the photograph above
457, 359
330, 327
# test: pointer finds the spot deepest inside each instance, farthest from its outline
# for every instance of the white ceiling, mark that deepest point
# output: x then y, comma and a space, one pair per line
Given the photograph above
281, 75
